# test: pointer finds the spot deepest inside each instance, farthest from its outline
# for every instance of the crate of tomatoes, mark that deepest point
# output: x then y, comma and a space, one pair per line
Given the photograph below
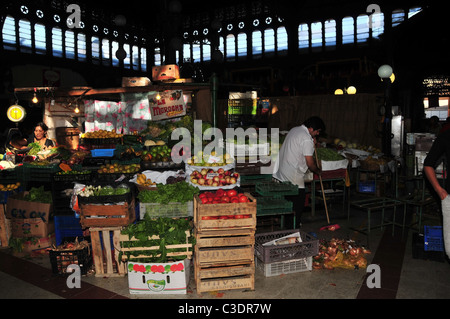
224, 209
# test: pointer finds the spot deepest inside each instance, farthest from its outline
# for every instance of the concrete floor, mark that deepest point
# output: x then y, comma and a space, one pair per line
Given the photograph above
402, 276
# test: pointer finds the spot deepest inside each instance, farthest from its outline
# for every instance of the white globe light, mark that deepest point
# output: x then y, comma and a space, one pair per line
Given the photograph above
384, 71
351, 90
338, 92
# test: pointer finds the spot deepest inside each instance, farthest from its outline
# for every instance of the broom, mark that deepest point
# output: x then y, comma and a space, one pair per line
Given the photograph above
329, 226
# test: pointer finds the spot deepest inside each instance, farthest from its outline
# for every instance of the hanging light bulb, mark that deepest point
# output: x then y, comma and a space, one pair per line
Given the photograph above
34, 99
158, 96
77, 110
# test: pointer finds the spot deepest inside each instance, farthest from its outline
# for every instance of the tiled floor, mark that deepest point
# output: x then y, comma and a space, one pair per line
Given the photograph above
402, 276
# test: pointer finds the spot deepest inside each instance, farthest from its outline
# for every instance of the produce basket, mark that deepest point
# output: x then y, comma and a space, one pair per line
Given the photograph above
39, 173
171, 210
308, 247
67, 226
61, 259
73, 176
285, 267
101, 215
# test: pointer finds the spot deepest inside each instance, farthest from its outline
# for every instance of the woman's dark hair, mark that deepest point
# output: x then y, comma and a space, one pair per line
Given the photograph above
43, 125
316, 123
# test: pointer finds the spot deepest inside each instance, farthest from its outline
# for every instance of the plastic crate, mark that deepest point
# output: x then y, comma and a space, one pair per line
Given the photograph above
102, 152
170, 210
366, 187
37, 173
272, 206
67, 226
5, 194
268, 254
433, 238
61, 259
276, 189
285, 267
73, 177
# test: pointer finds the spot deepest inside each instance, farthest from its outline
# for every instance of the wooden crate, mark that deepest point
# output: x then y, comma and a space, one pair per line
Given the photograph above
202, 211
224, 260
94, 215
233, 276
184, 249
106, 258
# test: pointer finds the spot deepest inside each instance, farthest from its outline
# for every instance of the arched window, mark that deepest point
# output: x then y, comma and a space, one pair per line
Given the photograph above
127, 60
186, 52
135, 57
157, 56
316, 36
222, 45
57, 42
269, 40
144, 59
362, 28
9, 33
348, 30
69, 38
39, 39
25, 36
303, 36
242, 44
398, 16
114, 48
106, 55
81, 47
196, 52
282, 39
257, 43
377, 24
206, 51
330, 33
230, 47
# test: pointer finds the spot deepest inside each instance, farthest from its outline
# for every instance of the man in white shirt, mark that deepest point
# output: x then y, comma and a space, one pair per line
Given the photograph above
296, 156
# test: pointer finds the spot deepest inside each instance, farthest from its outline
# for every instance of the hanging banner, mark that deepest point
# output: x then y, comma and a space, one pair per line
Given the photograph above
166, 105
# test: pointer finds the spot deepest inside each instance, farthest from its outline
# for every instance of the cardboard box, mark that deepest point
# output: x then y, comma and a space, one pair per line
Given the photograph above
31, 227
135, 81
165, 72
39, 246
17, 207
158, 278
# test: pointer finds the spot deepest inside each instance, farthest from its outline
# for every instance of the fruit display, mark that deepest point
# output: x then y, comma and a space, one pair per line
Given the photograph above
102, 134
9, 187
213, 159
214, 177
118, 168
158, 153
154, 142
129, 154
223, 196
144, 180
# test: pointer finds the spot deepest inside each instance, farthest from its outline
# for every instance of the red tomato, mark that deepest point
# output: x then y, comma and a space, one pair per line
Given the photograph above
235, 200
204, 200
238, 216
220, 192
232, 192
225, 199
243, 199
247, 216
223, 217
202, 195
209, 217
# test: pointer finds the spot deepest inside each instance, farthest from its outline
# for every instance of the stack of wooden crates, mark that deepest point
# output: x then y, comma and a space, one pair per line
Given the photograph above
224, 249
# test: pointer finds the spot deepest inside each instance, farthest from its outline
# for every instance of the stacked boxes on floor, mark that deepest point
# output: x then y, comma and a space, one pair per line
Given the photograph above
224, 249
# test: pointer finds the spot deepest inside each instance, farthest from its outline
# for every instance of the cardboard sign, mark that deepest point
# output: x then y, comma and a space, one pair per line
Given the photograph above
158, 278
167, 105
16, 207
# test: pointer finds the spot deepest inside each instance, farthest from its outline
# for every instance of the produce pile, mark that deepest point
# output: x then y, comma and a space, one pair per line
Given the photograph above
118, 168
108, 190
339, 253
328, 154
38, 194
180, 192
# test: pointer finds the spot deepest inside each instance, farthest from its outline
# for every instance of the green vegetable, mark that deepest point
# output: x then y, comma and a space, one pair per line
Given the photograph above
170, 231
106, 190
327, 154
38, 195
35, 148
180, 192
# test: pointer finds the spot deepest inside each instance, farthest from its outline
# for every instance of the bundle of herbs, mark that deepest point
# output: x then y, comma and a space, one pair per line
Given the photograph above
180, 192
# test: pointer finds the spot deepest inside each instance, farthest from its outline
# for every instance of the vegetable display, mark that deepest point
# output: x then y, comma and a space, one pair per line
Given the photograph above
180, 192
92, 190
38, 194
171, 231
328, 154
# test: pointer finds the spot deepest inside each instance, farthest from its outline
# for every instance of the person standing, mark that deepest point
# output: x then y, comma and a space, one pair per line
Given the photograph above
296, 156
440, 149
40, 136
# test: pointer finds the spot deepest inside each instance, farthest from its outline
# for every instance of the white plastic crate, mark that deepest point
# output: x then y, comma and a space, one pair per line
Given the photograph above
285, 267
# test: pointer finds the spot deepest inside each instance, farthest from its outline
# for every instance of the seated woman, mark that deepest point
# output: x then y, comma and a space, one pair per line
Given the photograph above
40, 137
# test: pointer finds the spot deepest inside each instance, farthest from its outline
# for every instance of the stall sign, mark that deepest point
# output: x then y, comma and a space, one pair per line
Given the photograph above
167, 105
